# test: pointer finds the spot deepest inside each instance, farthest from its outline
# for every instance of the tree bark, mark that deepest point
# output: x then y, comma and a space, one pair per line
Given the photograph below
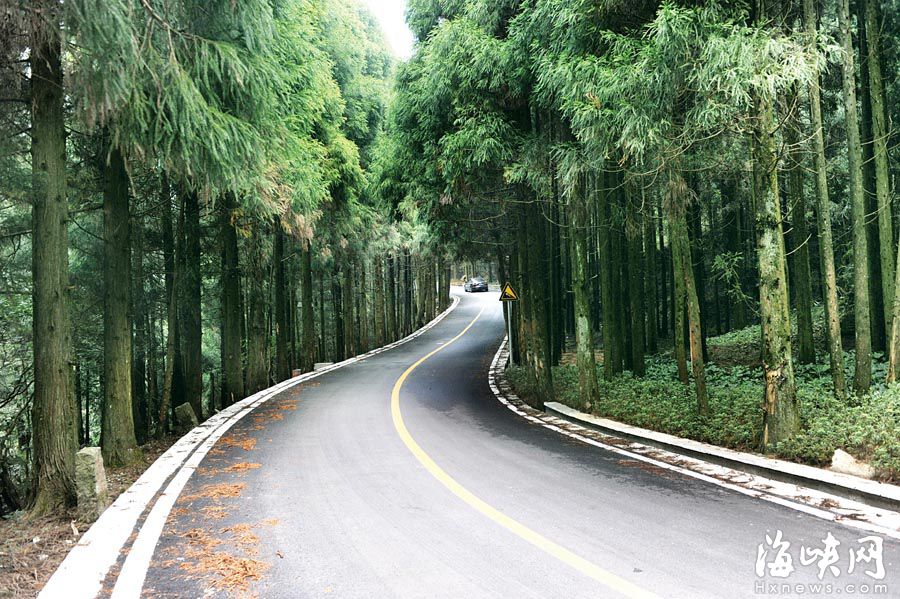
257, 340
282, 328
337, 310
117, 430
863, 376
409, 307
192, 324
363, 295
378, 283
665, 276
53, 409
173, 284
781, 418
799, 238
232, 309
823, 213
350, 345
652, 293
880, 135
141, 334
539, 354
878, 333
608, 315
634, 232
588, 390
307, 319
685, 286
390, 309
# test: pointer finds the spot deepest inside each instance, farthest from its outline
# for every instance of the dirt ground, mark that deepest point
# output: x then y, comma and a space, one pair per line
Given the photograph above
31, 550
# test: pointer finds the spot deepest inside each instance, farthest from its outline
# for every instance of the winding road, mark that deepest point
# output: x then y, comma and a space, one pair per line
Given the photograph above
403, 476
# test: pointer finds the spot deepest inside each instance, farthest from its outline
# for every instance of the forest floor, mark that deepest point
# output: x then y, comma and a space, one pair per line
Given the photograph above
866, 427
31, 550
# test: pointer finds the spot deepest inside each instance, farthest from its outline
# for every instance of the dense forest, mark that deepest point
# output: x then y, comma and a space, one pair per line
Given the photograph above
198, 198
189, 212
665, 181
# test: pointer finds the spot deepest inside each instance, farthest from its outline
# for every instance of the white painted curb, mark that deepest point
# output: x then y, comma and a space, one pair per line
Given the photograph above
869, 491
82, 572
813, 502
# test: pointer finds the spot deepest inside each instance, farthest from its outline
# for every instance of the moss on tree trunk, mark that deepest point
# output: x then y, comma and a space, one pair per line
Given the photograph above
53, 409
118, 440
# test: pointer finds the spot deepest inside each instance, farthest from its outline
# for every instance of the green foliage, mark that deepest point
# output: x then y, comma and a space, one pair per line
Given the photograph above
184, 84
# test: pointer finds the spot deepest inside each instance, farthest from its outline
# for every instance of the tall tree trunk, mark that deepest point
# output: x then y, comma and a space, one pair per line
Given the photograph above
419, 276
525, 335
516, 344
173, 285
607, 291
350, 342
363, 294
117, 430
322, 353
53, 409
686, 287
556, 322
665, 276
257, 339
863, 375
192, 325
390, 309
294, 333
781, 416
232, 310
695, 235
634, 232
679, 302
876, 304
282, 329
152, 367
801, 276
432, 283
86, 387
539, 354
823, 213
337, 309
307, 319
588, 390
378, 283
79, 396
408, 290
622, 355
139, 364
444, 284
652, 293
880, 134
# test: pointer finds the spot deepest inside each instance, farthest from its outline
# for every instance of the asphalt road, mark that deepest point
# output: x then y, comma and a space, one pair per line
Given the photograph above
323, 493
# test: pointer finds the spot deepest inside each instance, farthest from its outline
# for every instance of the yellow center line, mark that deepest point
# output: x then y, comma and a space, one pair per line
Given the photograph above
614, 582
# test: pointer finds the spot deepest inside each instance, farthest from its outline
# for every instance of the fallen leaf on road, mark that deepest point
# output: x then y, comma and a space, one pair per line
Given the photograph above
242, 467
215, 492
245, 444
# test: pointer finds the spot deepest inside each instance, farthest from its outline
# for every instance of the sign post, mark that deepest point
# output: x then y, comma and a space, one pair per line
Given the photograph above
508, 296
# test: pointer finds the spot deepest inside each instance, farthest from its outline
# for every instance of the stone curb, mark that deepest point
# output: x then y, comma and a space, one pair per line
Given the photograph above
874, 493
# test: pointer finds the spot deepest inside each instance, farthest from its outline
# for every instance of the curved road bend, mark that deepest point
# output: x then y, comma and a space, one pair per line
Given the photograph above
330, 500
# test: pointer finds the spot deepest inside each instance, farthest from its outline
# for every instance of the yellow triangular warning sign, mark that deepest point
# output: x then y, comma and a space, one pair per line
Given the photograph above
508, 294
